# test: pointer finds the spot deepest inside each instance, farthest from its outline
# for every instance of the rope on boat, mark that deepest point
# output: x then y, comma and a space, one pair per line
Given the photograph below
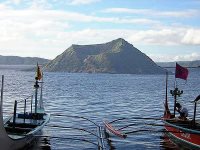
118, 132
146, 130
135, 118
99, 135
68, 138
157, 131
81, 129
76, 117
133, 124
148, 124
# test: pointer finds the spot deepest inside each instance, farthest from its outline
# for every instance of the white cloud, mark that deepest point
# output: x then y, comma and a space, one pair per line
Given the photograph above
82, 2
39, 4
192, 56
175, 58
16, 2
127, 10
3, 7
35, 14
45, 32
159, 37
192, 37
50, 43
152, 12
167, 36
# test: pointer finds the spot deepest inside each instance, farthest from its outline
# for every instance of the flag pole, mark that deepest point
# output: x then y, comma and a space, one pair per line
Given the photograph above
175, 82
182, 73
36, 93
166, 87
174, 92
41, 94
167, 112
36, 86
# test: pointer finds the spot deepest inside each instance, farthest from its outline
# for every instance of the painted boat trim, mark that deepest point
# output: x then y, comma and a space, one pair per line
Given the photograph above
189, 143
182, 128
189, 131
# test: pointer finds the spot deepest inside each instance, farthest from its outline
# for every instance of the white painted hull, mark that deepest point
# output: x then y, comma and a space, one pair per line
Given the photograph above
16, 142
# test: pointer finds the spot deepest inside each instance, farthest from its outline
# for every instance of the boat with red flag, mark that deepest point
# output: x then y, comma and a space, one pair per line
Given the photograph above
184, 131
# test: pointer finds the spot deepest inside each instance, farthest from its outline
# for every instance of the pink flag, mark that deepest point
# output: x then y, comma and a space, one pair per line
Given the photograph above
181, 72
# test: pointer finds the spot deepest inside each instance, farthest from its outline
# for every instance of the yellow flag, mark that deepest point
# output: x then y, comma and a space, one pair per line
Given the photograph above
38, 73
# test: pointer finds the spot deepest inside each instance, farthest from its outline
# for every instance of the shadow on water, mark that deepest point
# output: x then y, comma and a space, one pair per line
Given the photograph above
167, 143
42, 143
109, 141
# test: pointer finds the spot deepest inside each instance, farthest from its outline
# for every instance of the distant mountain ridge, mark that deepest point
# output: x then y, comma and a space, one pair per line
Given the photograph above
16, 60
195, 63
117, 56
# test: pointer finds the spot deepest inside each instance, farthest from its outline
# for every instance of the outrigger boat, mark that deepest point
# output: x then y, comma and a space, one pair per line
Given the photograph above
21, 129
185, 132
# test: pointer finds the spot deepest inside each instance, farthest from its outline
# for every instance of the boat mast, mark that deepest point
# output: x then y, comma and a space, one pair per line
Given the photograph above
36, 86
41, 94
2, 84
182, 73
176, 92
166, 99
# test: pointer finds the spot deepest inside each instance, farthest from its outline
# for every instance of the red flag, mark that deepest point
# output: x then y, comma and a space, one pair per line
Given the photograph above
181, 72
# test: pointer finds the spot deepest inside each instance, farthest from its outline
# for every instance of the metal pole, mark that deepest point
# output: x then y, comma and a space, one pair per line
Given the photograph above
24, 109
166, 87
15, 110
175, 96
36, 93
36, 90
2, 85
195, 107
31, 103
166, 112
41, 94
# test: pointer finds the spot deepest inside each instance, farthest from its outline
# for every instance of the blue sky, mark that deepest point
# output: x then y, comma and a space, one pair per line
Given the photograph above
165, 30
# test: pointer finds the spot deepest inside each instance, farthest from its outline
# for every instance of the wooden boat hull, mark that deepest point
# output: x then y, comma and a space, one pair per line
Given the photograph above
10, 141
188, 137
16, 144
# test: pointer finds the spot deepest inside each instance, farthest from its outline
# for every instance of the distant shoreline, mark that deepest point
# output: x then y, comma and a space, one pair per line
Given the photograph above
17, 67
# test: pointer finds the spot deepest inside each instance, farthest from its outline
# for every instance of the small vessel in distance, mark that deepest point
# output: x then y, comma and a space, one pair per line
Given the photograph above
21, 129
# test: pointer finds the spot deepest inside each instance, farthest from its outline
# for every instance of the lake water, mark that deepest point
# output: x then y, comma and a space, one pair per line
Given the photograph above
101, 97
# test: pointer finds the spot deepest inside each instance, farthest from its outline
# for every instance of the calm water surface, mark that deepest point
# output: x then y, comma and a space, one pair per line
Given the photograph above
100, 97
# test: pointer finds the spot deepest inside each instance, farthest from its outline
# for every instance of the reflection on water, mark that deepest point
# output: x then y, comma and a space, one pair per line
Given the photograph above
166, 143
170, 143
42, 143
100, 97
